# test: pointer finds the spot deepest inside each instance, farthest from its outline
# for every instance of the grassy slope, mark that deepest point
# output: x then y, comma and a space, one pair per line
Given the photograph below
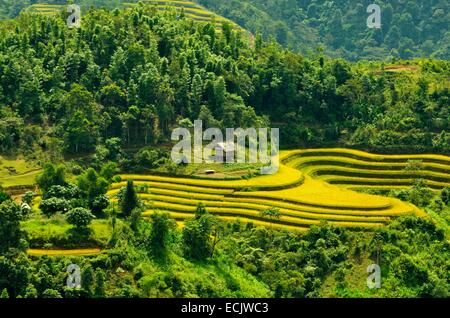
17, 172
56, 233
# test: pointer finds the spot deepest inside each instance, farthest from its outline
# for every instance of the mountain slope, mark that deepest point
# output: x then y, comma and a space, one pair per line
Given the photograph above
187, 8
409, 28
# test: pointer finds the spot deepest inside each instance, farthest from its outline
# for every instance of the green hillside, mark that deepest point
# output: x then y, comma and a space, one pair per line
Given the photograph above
409, 28
88, 122
187, 8
45, 9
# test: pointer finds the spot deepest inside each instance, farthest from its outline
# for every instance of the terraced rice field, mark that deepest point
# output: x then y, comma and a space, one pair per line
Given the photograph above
76, 252
303, 195
354, 169
45, 9
191, 10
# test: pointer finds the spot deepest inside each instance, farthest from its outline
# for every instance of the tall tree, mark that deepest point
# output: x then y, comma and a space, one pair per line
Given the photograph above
129, 200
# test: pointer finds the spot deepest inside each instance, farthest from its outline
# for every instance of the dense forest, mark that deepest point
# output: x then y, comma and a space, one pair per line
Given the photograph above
409, 28
12, 8
137, 73
107, 96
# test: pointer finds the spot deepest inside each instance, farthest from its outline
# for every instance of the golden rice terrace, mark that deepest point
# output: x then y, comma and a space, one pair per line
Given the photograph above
311, 186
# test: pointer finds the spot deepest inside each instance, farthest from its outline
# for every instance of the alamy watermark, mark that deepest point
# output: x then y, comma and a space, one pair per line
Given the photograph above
74, 19
374, 19
374, 277
74, 277
232, 149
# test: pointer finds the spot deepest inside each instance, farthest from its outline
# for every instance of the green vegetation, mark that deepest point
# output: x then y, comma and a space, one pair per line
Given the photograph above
409, 28
318, 101
128, 200
17, 171
86, 115
210, 259
274, 202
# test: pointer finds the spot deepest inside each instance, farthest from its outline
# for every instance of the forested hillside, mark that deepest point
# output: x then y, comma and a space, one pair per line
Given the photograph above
86, 116
135, 74
410, 28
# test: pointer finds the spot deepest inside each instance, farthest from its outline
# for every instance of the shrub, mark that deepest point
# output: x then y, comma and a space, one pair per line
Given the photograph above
160, 234
51, 206
197, 241
92, 184
52, 175
68, 192
4, 293
149, 158
28, 197
51, 293
10, 231
445, 195
80, 217
109, 170
200, 210
99, 204
4, 196
114, 147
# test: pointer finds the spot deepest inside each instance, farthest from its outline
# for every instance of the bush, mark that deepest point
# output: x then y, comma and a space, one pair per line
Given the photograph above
160, 234
99, 204
51, 293
51, 206
80, 217
28, 197
68, 192
92, 184
197, 241
4, 196
149, 158
445, 195
109, 170
52, 175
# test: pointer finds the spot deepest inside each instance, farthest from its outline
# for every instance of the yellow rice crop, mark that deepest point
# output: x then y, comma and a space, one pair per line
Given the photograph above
362, 180
320, 194
393, 210
419, 173
172, 186
243, 212
259, 207
362, 154
75, 252
181, 194
286, 176
302, 200
304, 161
